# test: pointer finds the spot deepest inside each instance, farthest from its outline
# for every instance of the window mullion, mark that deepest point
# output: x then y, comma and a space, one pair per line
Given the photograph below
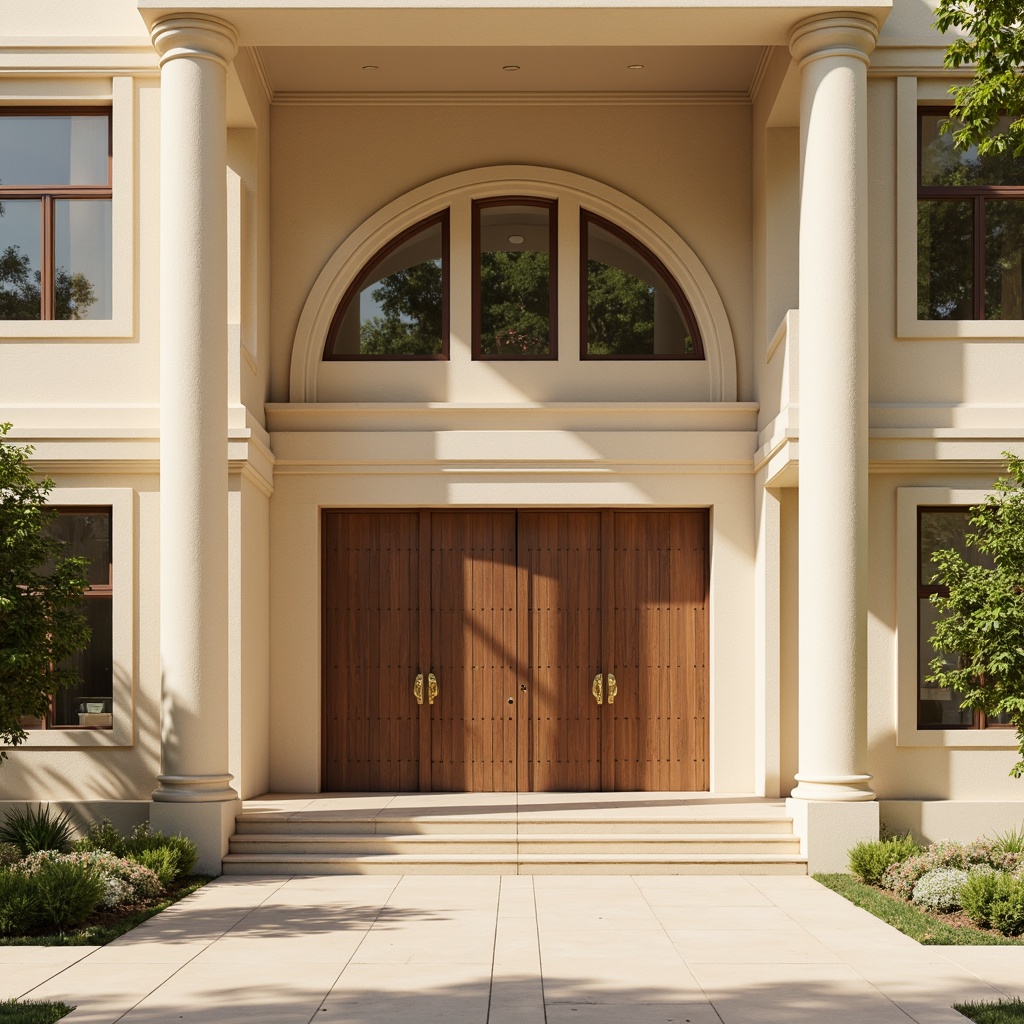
979, 257
47, 301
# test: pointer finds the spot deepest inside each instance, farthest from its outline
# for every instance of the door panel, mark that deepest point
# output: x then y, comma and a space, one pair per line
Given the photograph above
371, 634
473, 651
560, 576
494, 601
656, 732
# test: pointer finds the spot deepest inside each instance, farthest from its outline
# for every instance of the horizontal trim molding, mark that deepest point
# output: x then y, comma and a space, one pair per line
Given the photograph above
286, 98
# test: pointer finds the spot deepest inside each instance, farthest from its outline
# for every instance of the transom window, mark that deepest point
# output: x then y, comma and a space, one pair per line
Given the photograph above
55, 214
938, 529
630, 306
970, 228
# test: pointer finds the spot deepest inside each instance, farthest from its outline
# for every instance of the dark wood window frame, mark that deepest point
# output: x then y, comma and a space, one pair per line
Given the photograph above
977, 195
95, 591
551, 205
587, 218
352, 294
48, 195
924, 591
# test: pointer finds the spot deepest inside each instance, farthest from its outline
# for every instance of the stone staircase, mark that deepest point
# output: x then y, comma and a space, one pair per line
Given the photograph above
618, 841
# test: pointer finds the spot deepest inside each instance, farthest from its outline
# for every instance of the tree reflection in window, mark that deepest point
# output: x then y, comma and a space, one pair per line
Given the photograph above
631, 308
398, 306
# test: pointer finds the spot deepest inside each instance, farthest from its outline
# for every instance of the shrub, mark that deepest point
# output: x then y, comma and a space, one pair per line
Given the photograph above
1007, 909
902, 877
146, 847
65, 893
163, 862
869, 860
124, 881
102, 835
37, 828
976, 896
16, 902
939, 889
9, 854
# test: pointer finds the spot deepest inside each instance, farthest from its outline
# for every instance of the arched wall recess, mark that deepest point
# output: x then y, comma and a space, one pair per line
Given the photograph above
361, 245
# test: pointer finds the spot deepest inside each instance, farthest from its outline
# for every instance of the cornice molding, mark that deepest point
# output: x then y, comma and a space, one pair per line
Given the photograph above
471, 99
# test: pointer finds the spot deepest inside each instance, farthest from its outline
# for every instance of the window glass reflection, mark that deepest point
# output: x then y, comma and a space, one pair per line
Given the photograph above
54, 150
83, 244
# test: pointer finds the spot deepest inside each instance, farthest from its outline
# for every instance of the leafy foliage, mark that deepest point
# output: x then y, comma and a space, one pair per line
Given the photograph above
993, 41
982, 618
170, 857
65, 893
515, 298
1010, 841
1007, 908
37, 828
41, 623
939, 889
125, 881
901, 878
977, 894
869, 860
16, 902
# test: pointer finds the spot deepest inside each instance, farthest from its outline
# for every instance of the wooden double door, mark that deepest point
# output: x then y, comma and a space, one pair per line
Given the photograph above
491, 651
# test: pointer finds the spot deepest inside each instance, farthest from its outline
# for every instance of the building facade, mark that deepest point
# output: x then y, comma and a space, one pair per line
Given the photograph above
478, 397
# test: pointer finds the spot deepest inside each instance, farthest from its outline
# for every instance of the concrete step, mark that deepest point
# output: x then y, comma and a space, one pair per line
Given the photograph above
327, 823
575, 863
612, 842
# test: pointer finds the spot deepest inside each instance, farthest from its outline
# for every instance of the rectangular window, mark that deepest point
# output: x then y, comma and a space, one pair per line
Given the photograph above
56, 230
514, 278
970, 228
938, 529
86, 533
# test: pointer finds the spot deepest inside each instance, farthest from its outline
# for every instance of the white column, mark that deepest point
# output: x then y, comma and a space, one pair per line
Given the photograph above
832, 51
194, 793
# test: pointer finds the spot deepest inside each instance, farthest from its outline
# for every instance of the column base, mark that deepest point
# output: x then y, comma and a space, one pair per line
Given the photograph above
828, 828
209, 824
832, 787
194, 789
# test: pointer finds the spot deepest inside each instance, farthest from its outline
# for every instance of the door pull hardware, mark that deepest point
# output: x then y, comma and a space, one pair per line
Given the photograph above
613, 688
511, 700
597, 688
417, 689
432, 688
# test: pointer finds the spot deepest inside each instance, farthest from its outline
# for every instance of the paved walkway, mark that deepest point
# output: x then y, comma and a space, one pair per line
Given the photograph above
513, 950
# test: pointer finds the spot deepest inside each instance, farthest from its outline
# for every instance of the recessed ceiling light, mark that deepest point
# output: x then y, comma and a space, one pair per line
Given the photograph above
510, 67
634, 67
371, 67
516, 239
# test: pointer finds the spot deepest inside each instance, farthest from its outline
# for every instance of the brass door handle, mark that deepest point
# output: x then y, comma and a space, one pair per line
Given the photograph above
597, 688
432, 687
613, 688
417, 689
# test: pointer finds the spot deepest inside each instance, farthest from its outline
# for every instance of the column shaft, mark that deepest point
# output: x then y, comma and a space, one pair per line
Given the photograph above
193, 409
833, 406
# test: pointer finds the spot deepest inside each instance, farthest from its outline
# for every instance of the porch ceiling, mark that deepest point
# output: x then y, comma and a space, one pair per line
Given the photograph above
354, 69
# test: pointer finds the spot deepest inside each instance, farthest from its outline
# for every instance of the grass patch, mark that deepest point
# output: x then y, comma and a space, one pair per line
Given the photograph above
13, 1012
1010, 1011
928, 929
104, 926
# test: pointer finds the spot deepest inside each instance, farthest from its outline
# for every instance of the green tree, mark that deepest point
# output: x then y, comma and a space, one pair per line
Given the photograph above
993, 42
982, 618
41, 623
410, 301
620, 312
515, 299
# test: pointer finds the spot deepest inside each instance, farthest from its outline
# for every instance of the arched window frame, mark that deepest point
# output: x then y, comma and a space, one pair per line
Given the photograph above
455, 192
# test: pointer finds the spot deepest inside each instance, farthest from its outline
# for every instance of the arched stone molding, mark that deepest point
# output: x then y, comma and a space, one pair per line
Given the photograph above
681, 261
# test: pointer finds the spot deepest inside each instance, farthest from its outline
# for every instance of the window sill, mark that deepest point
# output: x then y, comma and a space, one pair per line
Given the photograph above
73, 738
960, 330
992, 739
66, 330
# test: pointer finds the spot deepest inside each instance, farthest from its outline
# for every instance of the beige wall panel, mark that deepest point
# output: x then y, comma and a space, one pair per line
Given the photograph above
334, 166
295, 591
789, 635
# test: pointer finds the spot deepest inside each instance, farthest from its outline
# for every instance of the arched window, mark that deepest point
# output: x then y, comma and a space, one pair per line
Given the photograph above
631, 307
398, 306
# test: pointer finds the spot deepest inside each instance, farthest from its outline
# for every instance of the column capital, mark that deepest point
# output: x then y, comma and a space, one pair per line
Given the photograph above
843, 34
195, 35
